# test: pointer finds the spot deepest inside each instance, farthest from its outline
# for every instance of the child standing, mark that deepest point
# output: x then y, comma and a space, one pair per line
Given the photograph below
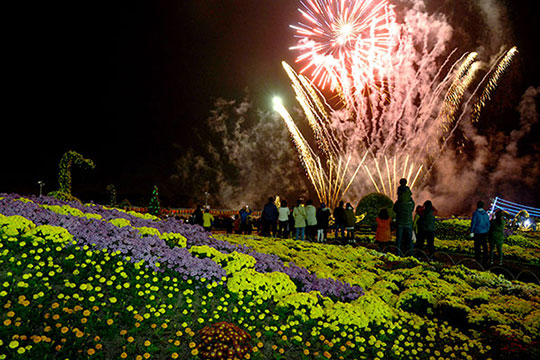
384, 233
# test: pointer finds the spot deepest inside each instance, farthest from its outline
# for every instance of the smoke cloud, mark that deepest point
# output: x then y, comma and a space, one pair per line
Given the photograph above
244, 156
494, 165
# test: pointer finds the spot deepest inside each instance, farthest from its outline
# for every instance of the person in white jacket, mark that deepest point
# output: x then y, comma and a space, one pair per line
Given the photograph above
283, 219
311, 214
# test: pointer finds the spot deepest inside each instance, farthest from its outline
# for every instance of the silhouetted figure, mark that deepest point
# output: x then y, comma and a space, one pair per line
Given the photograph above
323, 216
403, 208
245, 222
479, 232
350, 221
198, 216
426, 227
339, 220
496, 236
269, 218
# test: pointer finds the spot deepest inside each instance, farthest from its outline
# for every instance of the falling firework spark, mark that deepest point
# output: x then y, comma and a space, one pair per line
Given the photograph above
399, 104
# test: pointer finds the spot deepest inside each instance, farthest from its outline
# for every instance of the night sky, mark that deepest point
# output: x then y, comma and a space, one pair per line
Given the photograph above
122, 81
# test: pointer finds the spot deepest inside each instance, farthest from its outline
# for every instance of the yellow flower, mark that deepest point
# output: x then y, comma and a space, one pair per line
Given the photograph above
123, 355
13, 344
110, 321
174, 355
147, 343
130, 339
306, 352
192, 344
194, 352
91, 351
146, 355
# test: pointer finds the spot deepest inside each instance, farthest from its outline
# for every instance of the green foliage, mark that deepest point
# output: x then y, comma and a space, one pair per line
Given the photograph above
452, 229
371, 204
154, 206
64, 174
523, 241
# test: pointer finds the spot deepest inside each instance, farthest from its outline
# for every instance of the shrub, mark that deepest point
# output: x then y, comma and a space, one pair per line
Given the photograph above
223, 340
371, 204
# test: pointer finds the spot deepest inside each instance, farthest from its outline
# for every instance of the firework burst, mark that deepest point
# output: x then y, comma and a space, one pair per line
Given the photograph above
400, 105
339, 39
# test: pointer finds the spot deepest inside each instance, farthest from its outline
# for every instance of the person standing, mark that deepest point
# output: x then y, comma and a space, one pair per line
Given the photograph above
479, 232
269, 218
350, 221
323, 215
339, 220
207, 220
311, 215
384, 232
300, 216
198, 216
426, 227
283, 218
496, 236
244, 213
403, 208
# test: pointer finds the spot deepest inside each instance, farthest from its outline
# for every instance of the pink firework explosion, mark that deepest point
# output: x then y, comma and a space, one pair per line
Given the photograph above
342, 41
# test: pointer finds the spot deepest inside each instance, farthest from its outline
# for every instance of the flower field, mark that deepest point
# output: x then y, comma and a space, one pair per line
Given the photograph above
87, 281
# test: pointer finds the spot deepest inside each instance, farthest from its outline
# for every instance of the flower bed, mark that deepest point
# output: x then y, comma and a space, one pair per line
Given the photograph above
87, 281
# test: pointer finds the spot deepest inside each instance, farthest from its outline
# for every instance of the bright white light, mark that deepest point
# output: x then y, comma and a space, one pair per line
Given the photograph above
344, 33
278, 103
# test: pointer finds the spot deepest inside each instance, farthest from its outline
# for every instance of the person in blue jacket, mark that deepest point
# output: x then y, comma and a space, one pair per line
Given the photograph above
479, 232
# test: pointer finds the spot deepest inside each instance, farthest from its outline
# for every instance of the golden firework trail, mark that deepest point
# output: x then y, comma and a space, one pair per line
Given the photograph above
328, 177
491, 84
387, 179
